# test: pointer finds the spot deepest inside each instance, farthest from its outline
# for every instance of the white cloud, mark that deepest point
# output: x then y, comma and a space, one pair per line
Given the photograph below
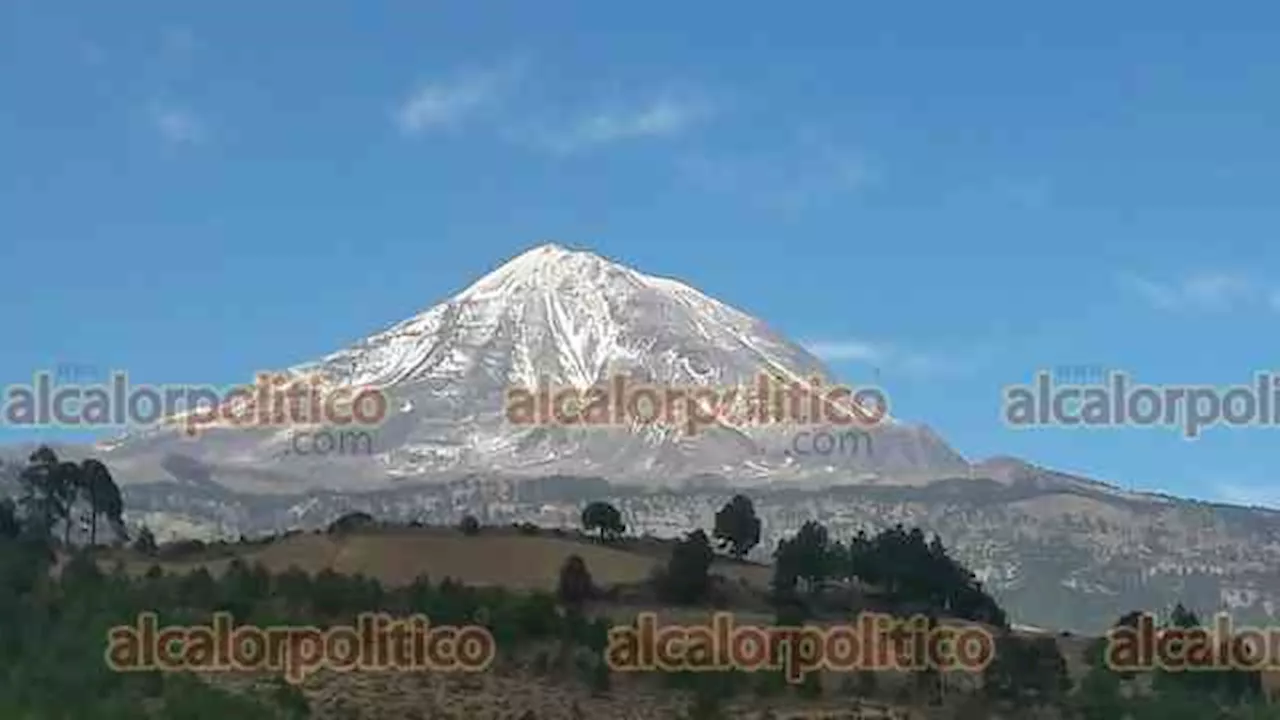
446, 104
839, 350
178, 125
1204, 292
661, 117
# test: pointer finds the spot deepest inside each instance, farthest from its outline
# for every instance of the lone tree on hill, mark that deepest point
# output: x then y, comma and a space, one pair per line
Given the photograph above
603, 517
737, 526
470, 525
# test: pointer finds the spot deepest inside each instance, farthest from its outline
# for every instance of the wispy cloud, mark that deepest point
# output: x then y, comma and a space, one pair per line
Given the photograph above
790, 177
168, 73
892, 357
660, 117
504, 101
177, 43
448, 103
178, 125
1247, 494
1204, 292
1028, 193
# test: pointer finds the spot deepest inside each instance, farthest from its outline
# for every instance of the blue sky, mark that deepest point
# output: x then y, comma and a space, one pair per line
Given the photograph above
948, 198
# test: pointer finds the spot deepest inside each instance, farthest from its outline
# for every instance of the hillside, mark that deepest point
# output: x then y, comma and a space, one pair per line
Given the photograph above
499, 557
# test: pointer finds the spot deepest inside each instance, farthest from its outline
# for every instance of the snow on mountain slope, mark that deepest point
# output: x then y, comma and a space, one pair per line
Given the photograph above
569, 316
563, 318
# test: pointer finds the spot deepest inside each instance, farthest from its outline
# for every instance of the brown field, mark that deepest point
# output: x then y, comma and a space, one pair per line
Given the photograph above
396, 557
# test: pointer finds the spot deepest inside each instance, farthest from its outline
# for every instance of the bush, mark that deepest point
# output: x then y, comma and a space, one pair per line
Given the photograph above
145, 543
575, 586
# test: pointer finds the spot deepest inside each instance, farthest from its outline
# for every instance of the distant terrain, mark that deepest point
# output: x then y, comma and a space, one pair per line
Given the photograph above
1064, 557
1060, 551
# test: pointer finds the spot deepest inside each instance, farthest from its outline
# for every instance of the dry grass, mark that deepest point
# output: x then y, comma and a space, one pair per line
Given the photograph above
396, 557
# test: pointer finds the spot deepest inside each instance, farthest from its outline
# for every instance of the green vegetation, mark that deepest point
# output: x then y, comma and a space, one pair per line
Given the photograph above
909, 571
686, 579
1220, 693
55, 627
58, 604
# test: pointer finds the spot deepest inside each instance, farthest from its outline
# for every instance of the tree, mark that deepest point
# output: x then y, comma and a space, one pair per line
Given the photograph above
805, 556
145, 542
687, 576
576, 586
1183, 618
603, 517
10, 523
470, 525
103, 495
737, 525
910, 569
1095, 652
1100, 697
49, 488
1026, 671
1225, 683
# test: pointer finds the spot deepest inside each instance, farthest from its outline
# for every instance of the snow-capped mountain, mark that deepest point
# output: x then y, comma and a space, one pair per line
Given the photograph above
551, 317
